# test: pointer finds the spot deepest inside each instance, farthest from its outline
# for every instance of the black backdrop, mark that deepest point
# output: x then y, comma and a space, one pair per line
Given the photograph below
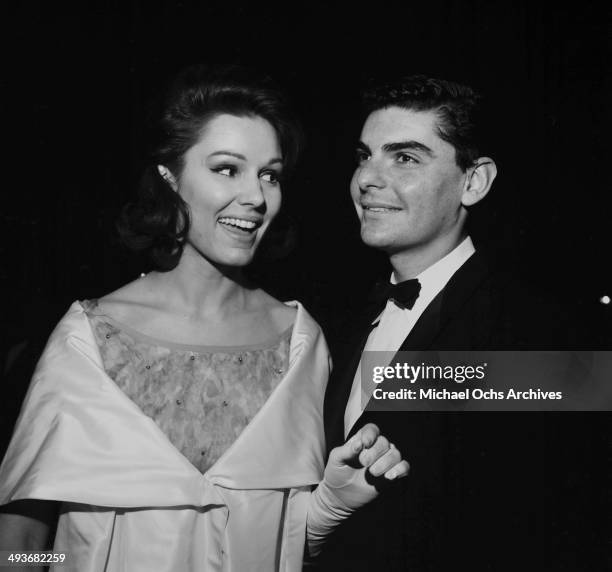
77, 78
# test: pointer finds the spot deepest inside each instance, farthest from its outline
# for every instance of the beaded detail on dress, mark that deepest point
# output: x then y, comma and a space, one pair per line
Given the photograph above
202, 398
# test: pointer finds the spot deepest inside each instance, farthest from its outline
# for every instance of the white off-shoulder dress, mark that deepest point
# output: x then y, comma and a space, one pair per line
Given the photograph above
211, 473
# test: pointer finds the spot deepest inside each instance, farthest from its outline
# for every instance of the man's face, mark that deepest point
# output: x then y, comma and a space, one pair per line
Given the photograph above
407, 187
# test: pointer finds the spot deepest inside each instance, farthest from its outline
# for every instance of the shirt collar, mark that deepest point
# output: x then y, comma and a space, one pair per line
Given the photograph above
435, 277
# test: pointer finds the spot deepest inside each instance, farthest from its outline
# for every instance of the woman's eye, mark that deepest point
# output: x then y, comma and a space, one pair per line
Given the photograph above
226, 170
360, 157
271, 177
405, 158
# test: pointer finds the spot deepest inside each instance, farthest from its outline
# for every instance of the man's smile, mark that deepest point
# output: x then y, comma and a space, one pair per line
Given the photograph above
378, 207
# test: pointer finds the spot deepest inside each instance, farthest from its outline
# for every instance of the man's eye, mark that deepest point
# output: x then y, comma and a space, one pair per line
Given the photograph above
271, 177
226, 170
405, 158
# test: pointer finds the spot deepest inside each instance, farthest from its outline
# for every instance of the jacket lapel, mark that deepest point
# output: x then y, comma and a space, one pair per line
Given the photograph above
343, 374
439, 314
446, 305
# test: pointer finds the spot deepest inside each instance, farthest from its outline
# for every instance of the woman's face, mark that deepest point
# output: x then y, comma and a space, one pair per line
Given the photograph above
230, 180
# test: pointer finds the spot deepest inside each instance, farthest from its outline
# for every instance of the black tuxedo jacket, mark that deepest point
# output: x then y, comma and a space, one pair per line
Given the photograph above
486, 490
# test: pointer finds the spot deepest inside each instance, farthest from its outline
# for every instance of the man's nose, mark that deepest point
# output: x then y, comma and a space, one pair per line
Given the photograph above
369, 176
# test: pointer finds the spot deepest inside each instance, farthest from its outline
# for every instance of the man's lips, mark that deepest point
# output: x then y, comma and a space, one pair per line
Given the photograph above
379, 208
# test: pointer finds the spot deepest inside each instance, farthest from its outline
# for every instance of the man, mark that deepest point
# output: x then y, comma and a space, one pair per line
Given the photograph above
487, 491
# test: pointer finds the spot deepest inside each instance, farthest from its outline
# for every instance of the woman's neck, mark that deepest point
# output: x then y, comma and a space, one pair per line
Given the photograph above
198, 288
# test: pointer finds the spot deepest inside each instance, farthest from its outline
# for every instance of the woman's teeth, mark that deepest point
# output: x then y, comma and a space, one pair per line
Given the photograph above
238, 222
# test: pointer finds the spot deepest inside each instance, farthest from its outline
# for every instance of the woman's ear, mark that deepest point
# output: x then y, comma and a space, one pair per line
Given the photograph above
167, 176
479, 179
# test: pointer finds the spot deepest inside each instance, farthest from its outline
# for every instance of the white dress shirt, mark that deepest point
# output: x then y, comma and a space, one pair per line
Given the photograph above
395, 323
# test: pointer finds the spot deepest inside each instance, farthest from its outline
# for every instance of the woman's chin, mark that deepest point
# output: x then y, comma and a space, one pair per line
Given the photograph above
228, 257
237, 257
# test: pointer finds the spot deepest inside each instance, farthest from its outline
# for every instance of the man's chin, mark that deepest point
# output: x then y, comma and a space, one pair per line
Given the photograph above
375, 240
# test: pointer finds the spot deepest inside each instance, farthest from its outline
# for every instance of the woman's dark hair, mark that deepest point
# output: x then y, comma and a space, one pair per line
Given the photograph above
157, 222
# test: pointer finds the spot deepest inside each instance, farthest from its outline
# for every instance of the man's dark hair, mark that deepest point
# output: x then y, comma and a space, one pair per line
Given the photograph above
457, 107
157, 222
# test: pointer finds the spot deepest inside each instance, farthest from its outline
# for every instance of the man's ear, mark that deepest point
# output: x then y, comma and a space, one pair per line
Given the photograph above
479, 179
167, 176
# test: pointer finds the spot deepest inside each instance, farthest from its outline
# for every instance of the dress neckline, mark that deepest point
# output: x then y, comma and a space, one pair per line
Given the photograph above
91, 307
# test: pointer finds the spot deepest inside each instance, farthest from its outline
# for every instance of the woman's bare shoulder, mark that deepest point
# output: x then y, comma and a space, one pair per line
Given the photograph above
280, 314
130, 302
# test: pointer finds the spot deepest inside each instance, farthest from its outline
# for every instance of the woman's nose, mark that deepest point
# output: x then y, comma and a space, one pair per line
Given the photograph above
252, 194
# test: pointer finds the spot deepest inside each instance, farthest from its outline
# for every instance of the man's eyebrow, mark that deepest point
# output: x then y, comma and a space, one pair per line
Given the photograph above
408, 145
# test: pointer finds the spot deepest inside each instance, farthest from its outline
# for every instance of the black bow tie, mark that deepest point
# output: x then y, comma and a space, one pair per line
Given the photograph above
404, 294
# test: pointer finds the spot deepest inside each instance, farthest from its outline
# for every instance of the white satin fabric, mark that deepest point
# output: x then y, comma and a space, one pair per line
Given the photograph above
132, 502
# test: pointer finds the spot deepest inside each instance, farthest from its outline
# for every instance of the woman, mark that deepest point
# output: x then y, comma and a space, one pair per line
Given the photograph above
176, 423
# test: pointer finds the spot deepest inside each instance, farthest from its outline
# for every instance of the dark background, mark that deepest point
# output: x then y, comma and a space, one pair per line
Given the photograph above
79, 76
76, 78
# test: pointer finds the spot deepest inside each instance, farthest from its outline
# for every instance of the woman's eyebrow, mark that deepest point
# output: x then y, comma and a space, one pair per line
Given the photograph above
361, 146
230, 153
242, 157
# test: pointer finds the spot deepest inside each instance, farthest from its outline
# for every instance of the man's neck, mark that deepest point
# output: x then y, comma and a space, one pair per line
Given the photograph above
410, 263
